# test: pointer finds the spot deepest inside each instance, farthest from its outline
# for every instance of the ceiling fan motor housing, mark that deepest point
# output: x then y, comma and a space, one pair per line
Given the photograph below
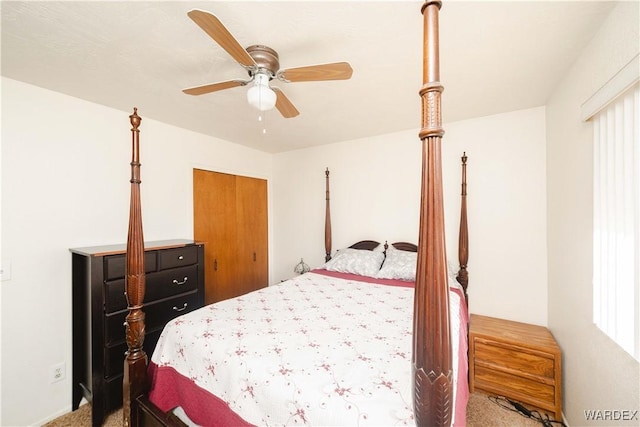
265, 57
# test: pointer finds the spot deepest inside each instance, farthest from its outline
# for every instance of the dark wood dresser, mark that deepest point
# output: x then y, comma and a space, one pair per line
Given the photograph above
517, 360
174, 286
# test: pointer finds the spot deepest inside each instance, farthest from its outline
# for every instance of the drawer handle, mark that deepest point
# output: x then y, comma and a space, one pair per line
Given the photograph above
175, 282
181, 257
183, 308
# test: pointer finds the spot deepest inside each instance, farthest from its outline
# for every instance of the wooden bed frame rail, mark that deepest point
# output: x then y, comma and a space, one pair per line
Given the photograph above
432, 359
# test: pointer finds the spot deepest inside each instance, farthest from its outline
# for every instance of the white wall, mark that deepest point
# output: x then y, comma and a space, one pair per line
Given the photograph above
375, 194
598, 374
65, 183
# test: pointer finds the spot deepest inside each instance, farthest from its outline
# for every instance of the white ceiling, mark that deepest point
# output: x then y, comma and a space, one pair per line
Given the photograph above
495, 57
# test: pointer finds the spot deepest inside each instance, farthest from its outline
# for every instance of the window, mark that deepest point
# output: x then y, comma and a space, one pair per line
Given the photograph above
616, 222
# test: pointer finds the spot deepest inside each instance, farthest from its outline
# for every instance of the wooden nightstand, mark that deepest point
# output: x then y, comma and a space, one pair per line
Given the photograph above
516, 360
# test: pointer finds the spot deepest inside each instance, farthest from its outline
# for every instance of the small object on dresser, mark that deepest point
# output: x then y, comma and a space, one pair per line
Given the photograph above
301, 267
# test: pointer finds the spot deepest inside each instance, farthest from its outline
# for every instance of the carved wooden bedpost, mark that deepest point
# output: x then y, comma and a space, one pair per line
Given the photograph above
433, 387
327, 220
135, 364
463, 236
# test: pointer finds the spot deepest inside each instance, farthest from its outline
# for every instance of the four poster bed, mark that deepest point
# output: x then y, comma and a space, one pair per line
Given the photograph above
287, 341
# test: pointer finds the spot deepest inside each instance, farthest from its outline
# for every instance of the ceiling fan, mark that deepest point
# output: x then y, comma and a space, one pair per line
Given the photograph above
263, 65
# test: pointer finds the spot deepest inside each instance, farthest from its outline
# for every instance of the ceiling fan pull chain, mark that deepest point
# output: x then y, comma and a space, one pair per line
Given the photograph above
264, 127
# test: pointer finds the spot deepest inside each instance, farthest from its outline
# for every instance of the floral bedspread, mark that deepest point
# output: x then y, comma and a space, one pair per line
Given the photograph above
314, 350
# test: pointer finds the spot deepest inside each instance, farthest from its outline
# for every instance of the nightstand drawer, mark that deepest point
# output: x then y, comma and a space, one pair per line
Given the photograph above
512, 358
519, 388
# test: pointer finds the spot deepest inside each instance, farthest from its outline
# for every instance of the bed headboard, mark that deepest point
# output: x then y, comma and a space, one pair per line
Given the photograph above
462, 276
367, 245
405, 246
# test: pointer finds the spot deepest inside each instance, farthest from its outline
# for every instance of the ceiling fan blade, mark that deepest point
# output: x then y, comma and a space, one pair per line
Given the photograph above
214, 87
333, 71
283, 104
212, 26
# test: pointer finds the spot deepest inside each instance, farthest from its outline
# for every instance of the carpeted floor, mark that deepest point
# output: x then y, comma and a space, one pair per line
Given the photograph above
481, 412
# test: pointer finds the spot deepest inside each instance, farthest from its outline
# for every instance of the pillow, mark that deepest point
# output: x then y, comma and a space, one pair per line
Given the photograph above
453, 273
356, 261
399, 265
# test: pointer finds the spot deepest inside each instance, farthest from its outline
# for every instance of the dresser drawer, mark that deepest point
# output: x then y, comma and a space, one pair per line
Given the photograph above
158, 285
512, 358
113, 393
157, 314
177, 257
114, 356
115, 265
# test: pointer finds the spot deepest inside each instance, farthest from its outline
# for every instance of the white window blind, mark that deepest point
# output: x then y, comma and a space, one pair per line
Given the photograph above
616, 249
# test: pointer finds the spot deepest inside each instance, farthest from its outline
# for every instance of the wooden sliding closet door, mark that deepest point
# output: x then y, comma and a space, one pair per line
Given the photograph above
251, 223
230, 218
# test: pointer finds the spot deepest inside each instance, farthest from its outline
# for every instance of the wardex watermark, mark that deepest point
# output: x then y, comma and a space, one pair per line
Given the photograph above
611, 415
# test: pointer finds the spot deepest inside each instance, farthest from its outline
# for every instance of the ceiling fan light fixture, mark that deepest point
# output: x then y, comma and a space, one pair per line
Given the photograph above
260, 95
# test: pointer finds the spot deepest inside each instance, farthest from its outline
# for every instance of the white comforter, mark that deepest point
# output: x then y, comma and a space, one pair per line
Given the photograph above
314, 350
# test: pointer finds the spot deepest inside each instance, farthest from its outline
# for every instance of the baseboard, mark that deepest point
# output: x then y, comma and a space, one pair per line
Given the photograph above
53, 416
57, 414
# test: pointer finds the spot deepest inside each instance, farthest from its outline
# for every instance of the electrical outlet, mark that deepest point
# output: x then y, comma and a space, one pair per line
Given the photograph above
57, 372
